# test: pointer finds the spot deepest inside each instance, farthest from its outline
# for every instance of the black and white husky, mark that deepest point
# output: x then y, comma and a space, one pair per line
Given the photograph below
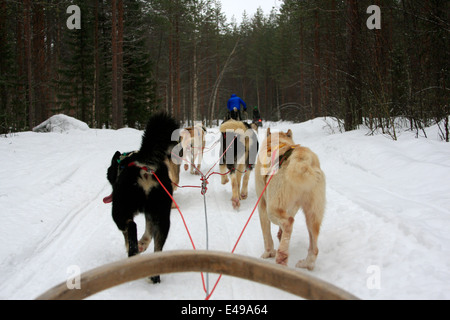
136, 189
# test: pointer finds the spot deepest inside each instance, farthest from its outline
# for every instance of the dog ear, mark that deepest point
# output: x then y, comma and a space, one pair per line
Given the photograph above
116, 157
289, 133
112, 172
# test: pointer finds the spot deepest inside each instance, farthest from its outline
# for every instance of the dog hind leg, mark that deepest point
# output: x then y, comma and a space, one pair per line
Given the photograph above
235, 198
147, 236
313, 222
286, 225
244, 189
160, 239
279, 234
223, 172
130, 236
193, 171
160, 231
269, 250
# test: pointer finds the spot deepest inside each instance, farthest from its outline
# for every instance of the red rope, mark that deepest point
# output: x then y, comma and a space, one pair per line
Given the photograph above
221, 156
184, 222
205, 180
171, 197
242, 232
182, 187
180, 158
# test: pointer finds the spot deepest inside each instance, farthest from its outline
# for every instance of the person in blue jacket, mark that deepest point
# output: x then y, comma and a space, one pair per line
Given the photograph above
234, 107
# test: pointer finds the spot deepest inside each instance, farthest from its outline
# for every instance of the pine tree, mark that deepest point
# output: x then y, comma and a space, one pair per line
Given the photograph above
75, 86
138, 82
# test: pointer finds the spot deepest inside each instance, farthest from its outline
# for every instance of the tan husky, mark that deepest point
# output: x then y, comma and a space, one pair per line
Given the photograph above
193, 143
297, 182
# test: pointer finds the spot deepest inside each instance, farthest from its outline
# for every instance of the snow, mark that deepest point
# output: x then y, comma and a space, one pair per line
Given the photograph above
385, 234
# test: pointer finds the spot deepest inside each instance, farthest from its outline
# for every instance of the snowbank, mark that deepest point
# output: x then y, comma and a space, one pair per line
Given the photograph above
61, 123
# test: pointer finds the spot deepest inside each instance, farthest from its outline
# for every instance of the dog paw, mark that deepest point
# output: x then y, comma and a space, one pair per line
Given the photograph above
236, 203
281, 258
305, 264
244, 195
155, 279
186, 167
225, 180
268, 254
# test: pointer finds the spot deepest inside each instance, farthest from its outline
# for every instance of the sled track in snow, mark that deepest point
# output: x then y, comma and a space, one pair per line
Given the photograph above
108, 276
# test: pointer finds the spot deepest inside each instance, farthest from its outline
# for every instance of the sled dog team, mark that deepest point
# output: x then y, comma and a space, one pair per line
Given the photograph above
287, 177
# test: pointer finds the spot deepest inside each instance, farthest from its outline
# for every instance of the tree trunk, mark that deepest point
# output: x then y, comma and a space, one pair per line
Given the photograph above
316, 81
116, 45
96, 101
39, 62
353, 79
29, 61
114, 98
177, 66
302, 66
195, 85
120, 64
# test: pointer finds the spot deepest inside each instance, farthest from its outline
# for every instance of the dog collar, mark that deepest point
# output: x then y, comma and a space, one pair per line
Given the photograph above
281, 158
125, 155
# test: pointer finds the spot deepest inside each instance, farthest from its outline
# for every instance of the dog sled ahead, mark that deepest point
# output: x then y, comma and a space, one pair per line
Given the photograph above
293, 281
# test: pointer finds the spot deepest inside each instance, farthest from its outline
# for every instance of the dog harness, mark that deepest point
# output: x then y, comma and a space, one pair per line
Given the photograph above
124, 156
276, 165
286, 155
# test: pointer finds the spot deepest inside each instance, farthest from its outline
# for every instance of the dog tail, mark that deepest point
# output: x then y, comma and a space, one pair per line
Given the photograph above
305, 170
157, 139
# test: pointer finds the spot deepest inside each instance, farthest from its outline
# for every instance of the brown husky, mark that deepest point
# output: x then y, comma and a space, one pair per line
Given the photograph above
298, 183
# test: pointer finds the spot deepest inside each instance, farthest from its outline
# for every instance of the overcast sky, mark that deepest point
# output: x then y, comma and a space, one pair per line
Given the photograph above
237, 7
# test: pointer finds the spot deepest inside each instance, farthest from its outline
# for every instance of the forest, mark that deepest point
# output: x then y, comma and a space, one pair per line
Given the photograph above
111, 63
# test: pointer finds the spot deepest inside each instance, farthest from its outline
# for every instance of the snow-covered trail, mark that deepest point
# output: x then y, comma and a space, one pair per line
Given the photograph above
387, 206
51, 209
